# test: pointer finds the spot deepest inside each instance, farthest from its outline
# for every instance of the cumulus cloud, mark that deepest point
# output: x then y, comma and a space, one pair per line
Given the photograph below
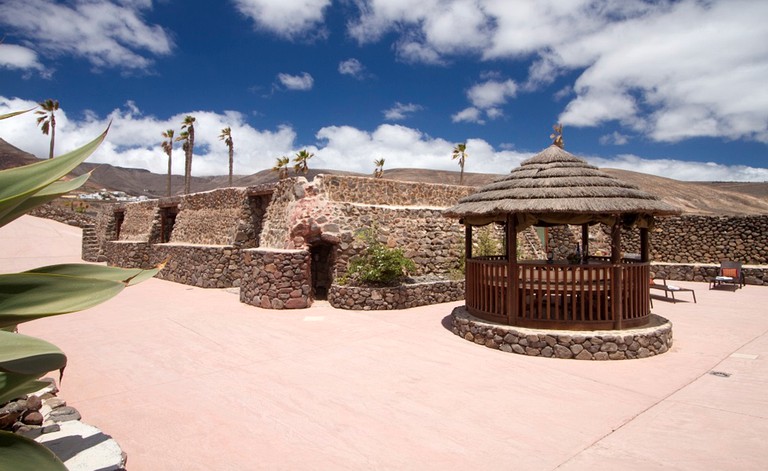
615, 138
301, 82
134, 141
468, 115
290, 19
486, 98
401, 111
353, 68
101, 32
667, 70
13, 56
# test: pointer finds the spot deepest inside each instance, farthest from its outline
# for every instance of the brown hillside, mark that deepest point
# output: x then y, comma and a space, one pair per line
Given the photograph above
707, 198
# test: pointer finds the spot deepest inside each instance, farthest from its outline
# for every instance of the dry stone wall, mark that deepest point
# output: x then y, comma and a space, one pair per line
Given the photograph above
377, 191
628, 344
140, 223
397, 297
211, 218
276, 279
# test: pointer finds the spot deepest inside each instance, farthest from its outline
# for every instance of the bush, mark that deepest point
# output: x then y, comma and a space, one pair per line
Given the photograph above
379, 265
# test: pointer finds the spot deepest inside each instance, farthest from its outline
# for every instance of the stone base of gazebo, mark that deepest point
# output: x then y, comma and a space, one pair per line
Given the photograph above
652, 339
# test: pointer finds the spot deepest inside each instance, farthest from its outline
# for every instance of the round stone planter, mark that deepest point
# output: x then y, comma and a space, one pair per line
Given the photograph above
647, 341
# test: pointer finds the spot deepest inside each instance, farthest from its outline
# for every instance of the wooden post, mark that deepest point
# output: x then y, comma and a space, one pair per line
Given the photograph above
616, 278
645, 251
585, 241
467, 241
512, 271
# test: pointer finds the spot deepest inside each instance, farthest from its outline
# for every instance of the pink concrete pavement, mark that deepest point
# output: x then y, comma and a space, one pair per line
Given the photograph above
187, 378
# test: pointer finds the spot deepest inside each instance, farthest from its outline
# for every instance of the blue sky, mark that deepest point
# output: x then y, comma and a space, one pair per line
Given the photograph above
673, 88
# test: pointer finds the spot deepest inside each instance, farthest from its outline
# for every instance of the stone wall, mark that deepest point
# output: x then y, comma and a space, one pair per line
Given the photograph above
64, 215
141, 222
711, 239
398, 297
628, 344
276, 279
212, 217
753, 275
302, 214
378, 191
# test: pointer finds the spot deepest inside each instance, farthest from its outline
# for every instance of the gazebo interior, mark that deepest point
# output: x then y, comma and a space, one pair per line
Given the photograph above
586, 292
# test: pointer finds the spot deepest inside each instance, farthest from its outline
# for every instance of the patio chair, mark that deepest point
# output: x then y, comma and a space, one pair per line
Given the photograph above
670, 289
730, 273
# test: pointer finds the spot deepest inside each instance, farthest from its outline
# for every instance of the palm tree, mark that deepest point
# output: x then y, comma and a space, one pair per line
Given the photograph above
184, 138
379, 171
226, 136
460, 152
189, 125
281, 167
47, 120
168, 148
557, 135
300, 162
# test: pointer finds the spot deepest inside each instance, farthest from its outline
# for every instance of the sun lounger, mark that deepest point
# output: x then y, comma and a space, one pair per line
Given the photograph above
670, 289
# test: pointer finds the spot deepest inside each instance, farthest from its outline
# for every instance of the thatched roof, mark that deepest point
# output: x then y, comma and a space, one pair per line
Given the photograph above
556, 187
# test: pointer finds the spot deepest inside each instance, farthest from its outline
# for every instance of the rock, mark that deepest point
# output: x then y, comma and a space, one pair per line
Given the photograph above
584, 355
64, 414
469, 336
518, 349
577, 348
563, 352
601, 356
643, 353
55, 402
33, 418
546, 351
505, 348
609, 347
34, 403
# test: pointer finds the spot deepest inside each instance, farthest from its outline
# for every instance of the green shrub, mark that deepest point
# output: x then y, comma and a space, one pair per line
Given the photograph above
379, 264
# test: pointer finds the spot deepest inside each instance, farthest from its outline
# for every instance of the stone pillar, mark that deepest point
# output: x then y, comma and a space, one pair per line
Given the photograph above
276, 279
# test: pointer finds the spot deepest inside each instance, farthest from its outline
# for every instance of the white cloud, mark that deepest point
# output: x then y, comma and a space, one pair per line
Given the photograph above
291, 19
302, 81
486, 97
615, 138
353, 68
103, 33
134, 141
668, 70
401, 111
468, 115
13, 56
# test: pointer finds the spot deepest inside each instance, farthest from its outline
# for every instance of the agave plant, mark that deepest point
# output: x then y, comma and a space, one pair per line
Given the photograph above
43, 292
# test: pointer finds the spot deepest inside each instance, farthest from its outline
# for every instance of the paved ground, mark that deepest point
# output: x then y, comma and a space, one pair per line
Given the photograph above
186, 378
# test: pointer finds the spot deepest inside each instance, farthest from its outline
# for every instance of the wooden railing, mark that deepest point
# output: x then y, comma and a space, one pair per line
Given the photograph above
559, 296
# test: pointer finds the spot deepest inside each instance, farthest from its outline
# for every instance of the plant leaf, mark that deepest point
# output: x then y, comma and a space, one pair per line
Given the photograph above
129, 276
49, 193
15, 113
19, 183
20, 453
28, 296
27, 355
14, 385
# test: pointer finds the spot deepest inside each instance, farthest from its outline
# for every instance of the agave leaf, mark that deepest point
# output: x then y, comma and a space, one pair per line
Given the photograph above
129, 276
24, 454
49, 193
27, 355
19, 183
28, 296
15, 113
14, 385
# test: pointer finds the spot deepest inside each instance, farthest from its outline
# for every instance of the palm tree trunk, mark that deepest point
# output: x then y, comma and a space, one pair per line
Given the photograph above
53, 136
190, 152
230, 165
168, 183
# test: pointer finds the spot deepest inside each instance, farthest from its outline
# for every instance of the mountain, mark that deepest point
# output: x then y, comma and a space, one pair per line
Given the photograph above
705, 198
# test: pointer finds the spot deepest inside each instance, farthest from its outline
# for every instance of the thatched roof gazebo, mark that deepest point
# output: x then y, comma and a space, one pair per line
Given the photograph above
556, 188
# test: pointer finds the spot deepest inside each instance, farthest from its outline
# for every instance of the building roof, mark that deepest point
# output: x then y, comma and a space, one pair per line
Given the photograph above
555, 187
